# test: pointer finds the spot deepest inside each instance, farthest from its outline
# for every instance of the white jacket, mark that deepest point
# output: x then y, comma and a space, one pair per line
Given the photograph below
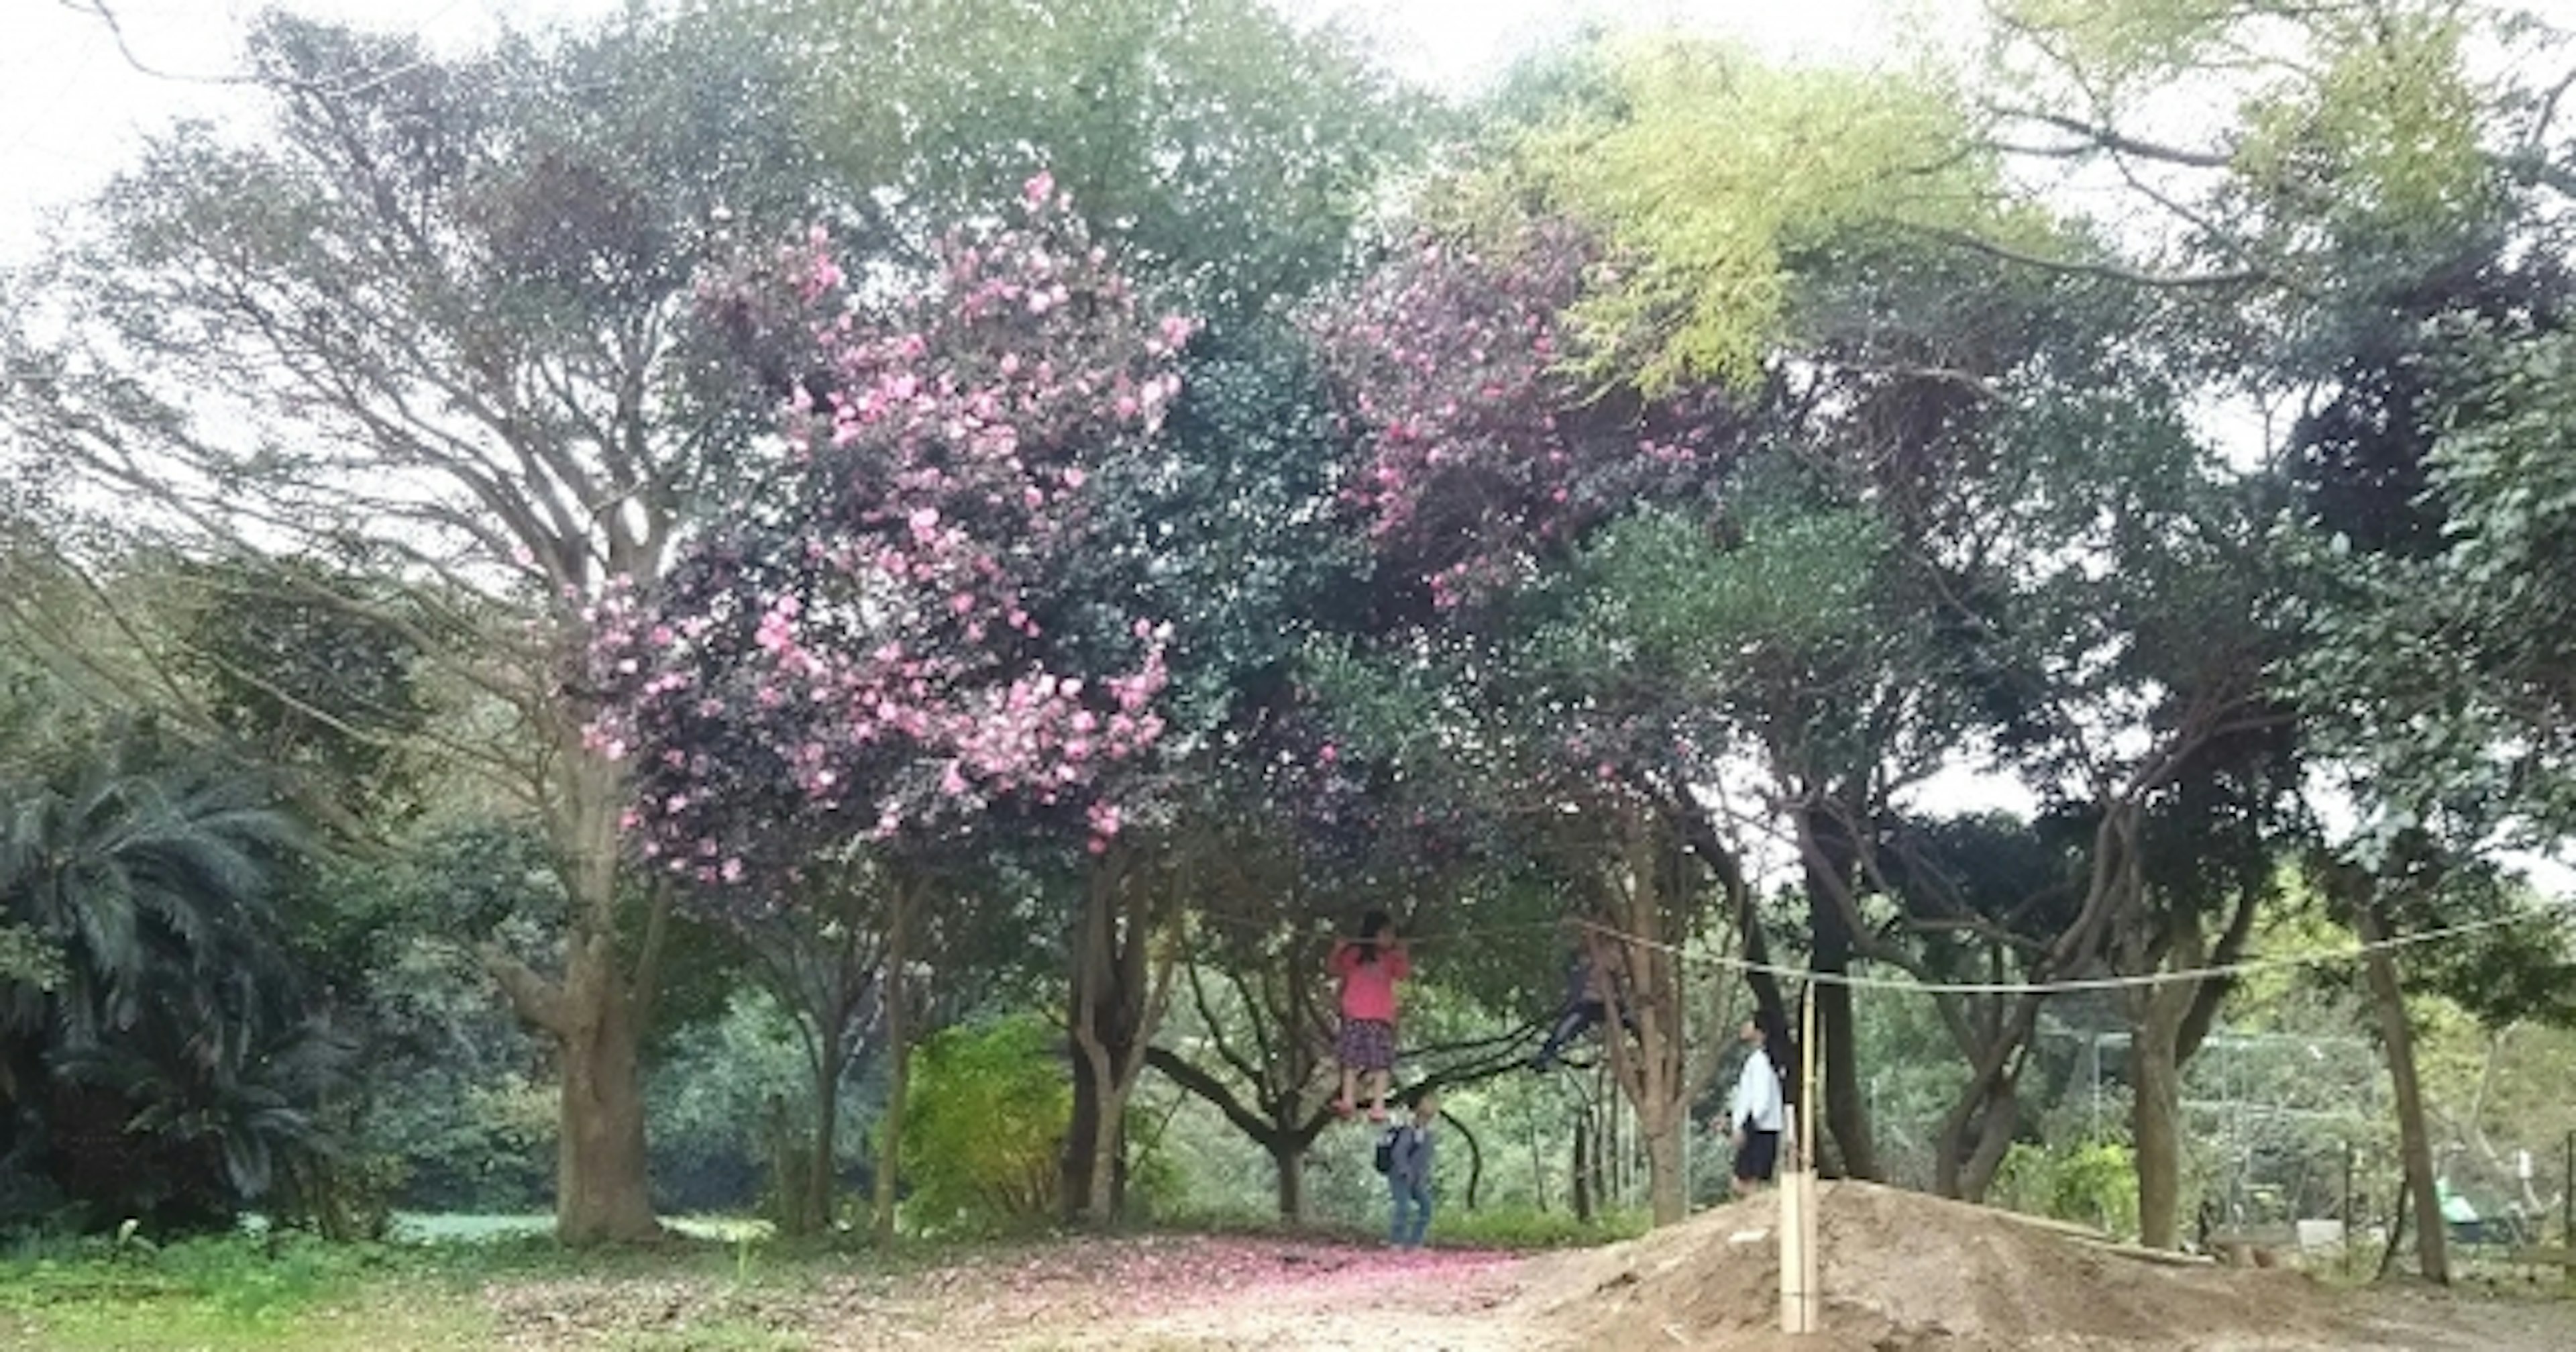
1757, 1095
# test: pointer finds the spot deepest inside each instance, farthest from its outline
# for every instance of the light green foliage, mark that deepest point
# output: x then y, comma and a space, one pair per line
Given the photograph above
2353, 147
2381, 150
219, 1291
28, 959
983, 1128
1715, 171
2093, 1183
1521, 1226
2127, 44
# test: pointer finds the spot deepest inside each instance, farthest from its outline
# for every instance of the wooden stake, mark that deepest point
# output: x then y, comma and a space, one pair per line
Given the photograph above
1793, 1254
1802, 1299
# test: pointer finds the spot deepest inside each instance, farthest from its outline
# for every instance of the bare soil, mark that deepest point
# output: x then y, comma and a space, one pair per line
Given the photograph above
1901, 1272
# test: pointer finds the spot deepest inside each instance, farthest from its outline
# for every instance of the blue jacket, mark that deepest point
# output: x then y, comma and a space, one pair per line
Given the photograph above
1414, 1147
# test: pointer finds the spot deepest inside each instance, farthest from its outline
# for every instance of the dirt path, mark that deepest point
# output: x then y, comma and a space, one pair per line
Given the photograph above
1703, 1285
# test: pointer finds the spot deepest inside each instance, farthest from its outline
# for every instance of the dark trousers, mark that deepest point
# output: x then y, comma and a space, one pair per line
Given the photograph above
1571, 1024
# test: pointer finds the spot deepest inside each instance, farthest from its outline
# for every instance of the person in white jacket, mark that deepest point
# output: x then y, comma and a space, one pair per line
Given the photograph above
1755, 1113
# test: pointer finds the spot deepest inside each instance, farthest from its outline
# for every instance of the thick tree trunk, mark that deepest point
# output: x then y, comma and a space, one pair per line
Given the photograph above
1846, 1117
1649, 1067
2155, 1121
601, 1192
595, 1014
1979, 1126
1117, 997
2415, 1142
1994, 1138
1975, 1134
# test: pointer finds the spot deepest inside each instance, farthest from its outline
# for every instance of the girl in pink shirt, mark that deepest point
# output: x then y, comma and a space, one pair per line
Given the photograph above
1368, 969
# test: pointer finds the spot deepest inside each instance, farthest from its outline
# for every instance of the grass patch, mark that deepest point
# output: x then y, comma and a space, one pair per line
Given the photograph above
221, 1293
1527, 1227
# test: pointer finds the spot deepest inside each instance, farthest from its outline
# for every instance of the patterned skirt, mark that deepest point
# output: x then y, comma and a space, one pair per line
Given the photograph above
1367, 1044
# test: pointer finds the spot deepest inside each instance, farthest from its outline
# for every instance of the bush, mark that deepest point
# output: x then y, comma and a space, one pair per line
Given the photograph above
985, 1121
2089, 1182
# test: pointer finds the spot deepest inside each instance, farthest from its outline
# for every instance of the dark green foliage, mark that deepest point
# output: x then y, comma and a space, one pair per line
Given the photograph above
173, 1069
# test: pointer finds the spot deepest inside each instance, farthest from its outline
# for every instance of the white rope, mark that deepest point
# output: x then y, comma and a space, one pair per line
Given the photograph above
2242, 967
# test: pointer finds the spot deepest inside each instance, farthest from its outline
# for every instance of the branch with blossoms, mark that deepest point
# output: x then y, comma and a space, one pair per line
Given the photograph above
1481, 454
881, 643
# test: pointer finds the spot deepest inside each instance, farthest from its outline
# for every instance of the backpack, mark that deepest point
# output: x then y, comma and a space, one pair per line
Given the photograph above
1385, 1158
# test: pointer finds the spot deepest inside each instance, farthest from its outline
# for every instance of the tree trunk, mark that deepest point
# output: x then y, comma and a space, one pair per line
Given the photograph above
2155, 1112
1994, 1139
1649, 1069
898, 1033
1288, 1162
1116, 998
1666, 1188
1976, 1133
601, 1190
2415, 1142
1846, 1108
820, 1174
1585, 1183
595, 1014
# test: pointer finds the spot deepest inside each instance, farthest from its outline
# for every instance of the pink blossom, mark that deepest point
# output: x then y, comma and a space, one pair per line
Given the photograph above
1038, 189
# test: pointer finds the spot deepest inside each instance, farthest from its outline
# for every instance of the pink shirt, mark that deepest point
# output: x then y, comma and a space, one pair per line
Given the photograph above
1368, 988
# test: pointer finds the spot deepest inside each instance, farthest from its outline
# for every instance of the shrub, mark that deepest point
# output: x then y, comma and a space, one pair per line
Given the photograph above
2090, 1182
986, 1115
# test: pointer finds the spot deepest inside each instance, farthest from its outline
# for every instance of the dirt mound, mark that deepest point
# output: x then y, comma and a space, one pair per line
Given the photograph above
1902, 1271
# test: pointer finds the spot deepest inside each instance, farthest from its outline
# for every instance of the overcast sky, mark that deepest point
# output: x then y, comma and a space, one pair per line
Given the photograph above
72, 105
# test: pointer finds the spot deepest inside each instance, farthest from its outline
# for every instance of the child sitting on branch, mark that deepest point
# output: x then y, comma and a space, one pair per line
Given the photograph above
1590, 981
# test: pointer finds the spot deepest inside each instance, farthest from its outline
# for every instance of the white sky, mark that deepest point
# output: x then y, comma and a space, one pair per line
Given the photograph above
72, 108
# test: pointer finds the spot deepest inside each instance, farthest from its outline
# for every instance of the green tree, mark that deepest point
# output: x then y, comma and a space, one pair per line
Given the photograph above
1213, 137
448, 302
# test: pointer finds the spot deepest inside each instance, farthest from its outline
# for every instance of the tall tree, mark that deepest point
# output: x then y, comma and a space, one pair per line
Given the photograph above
890, 645
442, 306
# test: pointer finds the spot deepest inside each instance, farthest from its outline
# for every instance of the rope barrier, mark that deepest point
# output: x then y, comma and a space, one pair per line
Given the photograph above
2077, 985
2067, 986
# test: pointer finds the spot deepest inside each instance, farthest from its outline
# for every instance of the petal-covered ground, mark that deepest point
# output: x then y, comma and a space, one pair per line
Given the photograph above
1912, 1273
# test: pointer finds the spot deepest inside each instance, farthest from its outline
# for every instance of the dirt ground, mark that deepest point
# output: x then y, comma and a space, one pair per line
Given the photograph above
1901, 1272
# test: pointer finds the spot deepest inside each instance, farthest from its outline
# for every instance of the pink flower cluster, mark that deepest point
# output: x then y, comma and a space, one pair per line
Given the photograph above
888, 663
1482, 451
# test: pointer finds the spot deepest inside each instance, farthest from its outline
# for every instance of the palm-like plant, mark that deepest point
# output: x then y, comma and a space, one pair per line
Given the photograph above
147, 874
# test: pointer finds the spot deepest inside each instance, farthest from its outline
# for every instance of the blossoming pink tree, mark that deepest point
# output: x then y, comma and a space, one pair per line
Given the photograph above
883, 649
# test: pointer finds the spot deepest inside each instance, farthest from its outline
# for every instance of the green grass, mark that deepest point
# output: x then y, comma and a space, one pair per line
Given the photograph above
223, 1293
1527, 1227
467, 1282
